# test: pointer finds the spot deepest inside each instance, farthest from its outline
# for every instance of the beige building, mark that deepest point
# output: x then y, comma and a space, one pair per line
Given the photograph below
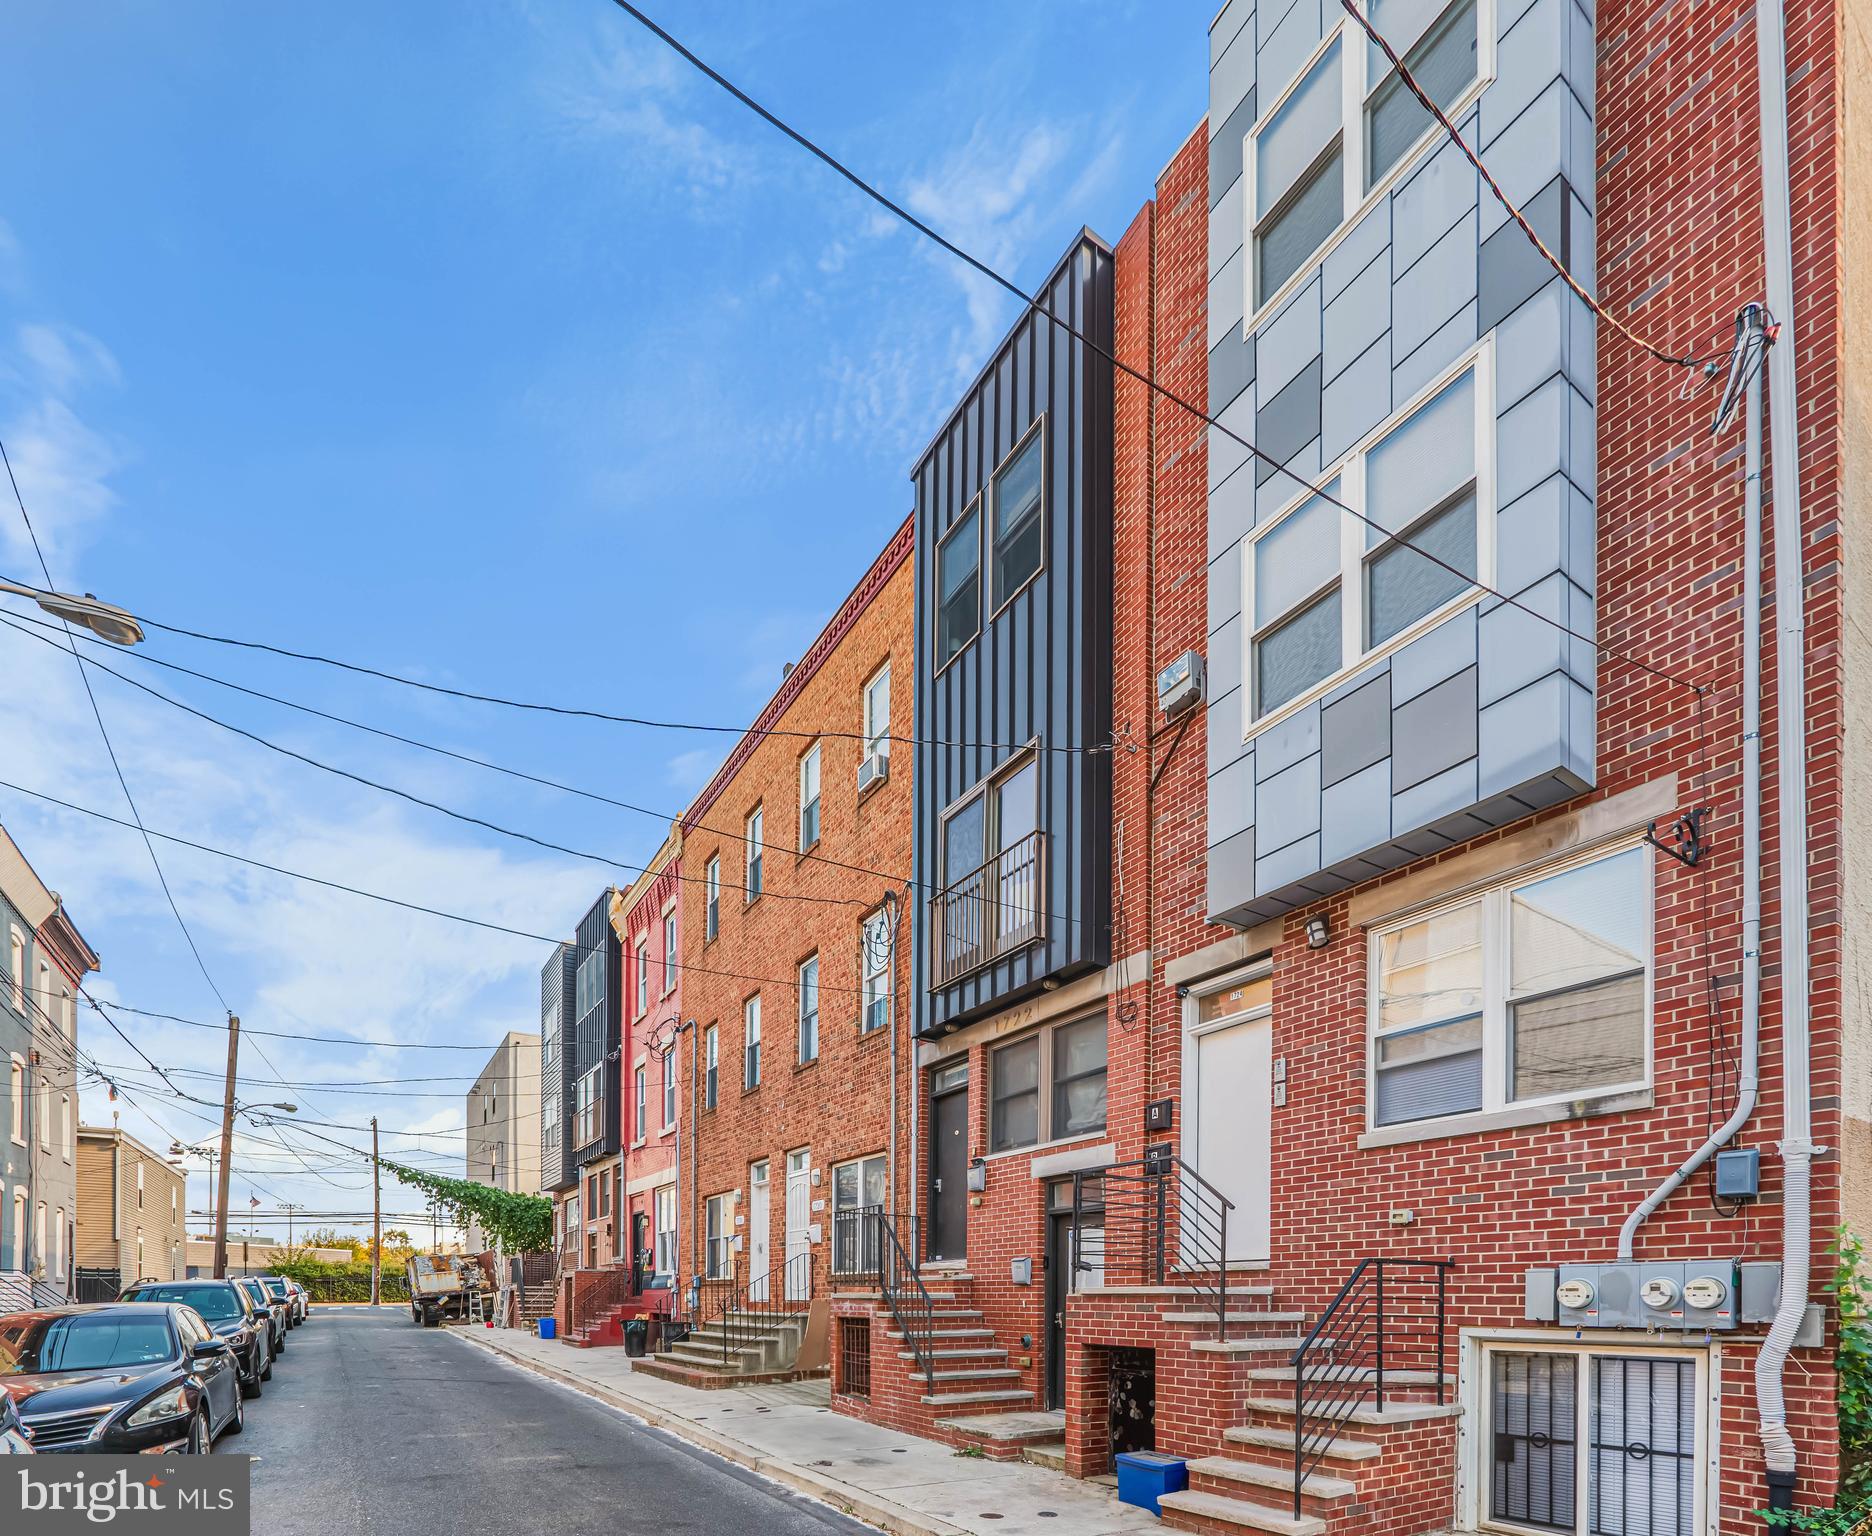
255, 1255
503, 1120
131, 1205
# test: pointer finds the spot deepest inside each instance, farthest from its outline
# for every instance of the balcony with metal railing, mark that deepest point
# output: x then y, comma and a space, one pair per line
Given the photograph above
990, 912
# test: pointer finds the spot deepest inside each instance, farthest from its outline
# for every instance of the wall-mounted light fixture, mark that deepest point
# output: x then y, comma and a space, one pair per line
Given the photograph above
1318, 932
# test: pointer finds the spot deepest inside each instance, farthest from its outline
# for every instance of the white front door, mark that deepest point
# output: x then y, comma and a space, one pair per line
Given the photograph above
757, 1236
798, 1211
1227, 1090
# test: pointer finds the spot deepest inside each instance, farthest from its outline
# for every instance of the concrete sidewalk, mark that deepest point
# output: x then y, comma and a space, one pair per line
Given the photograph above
905, 1484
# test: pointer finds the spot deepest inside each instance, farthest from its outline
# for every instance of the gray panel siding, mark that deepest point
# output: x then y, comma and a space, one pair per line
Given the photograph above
1490, 715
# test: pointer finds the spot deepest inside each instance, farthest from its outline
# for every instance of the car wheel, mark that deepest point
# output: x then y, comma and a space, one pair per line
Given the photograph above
237, 1420
267, 1374
279, 1347
198, 1437
251, 1386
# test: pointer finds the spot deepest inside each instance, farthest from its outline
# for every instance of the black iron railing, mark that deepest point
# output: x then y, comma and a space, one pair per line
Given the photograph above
1390, 1317
753, 1314
989, 912
1152, 1222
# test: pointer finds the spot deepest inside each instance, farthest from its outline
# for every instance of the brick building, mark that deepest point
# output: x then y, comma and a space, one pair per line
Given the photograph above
793, 1067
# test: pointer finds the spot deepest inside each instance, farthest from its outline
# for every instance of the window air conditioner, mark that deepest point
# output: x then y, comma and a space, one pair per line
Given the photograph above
875, 769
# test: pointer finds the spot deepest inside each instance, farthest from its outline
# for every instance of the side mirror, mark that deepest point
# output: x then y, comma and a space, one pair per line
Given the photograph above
208, 1348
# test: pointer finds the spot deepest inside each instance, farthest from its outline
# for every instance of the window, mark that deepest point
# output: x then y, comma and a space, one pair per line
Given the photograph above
1018, 501
711, 921
856, 1185
669, 1086
1592, 1440
588, 1108
642, 960
1049, 1086
877, 946
39, 1233
589, 983
750, 1042
711, 1069
16, 969
1324, 587
670, 963
1344, 126
958, 586
720, 1235
809, 1011
754, 854
877, 714
990, 903
641, 1100
1530, 992
666, 1230
139, 1169
809, 798
19, 1100
549, 1127
68, 1015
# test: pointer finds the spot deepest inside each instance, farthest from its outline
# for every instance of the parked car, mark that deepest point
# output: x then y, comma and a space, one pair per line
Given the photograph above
300, 1298
280, 1289
120, 1377
275, 1311
229, 1312
13, 1441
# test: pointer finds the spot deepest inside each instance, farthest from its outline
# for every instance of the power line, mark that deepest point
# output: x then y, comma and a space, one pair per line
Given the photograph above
111, 751
393, 901
898, 211
281, 1034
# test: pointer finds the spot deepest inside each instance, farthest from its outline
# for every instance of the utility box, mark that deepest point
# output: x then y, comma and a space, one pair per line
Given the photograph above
1020, 1271
1679, 1295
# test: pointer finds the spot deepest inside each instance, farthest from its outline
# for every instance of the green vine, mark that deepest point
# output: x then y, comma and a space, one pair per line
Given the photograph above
519, 1223
1851, 1289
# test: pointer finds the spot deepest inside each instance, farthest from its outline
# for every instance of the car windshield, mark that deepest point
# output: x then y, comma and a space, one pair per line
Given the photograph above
217, 1303
32, 1344
277, 1287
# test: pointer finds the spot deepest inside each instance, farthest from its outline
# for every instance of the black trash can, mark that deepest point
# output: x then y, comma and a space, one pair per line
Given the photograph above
636, 1335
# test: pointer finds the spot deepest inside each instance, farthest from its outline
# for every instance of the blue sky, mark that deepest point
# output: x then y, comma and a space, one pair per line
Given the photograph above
482, 343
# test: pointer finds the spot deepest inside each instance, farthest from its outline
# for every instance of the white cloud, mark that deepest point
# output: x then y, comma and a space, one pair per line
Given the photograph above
65, 357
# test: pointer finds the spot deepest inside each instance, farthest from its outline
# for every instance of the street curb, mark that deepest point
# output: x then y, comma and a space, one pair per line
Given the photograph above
857, 1502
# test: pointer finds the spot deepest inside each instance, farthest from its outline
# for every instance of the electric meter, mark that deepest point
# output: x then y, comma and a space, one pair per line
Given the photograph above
1575, 1294
1705, 1292
1658, 1293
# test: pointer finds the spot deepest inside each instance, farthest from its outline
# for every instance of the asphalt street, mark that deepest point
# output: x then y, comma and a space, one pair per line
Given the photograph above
371, 1424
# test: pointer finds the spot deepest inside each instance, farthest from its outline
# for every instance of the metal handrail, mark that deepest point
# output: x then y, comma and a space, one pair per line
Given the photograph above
744, 1316
909, 1300
990, 911
1345, 1355
1139, 1221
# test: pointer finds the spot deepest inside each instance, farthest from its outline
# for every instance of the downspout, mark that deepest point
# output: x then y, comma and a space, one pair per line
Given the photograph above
1749, 341
890, 1154
1797, 1148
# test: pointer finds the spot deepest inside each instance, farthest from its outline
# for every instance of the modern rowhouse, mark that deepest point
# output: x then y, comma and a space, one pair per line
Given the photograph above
594, 1071
794, 1078
558, 1053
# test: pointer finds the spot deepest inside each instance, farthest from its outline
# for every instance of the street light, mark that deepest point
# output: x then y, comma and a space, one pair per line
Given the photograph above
105, 620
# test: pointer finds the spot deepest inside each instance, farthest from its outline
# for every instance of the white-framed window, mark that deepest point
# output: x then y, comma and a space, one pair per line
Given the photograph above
16, 969
68, 1015
1574, 1438
44, 1000
875, 945
856, 1185
711, 1066
18, 1259
809, 1009
666, 1230
1536, 991
958, 586
68, 1136
58, 1245
671, 964
588, 1108
1017, 517
642, 960
39, 1233
711, 920
750, 1042
719, 1231
1048, 1085
1324, 590
877, 742
139, 1173
669, 1086
17, 1097
1344, 129
755, 847
640, 1127
809, 797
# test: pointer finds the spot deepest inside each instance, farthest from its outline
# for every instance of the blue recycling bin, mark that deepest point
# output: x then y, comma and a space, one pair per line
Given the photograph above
549, 1327
1144, 1477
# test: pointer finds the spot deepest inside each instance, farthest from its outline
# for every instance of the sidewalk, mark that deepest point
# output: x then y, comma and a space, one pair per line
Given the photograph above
906, 1485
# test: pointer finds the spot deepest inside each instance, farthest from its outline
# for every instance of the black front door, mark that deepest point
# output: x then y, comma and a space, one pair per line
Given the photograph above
1058, 1287
948, 1228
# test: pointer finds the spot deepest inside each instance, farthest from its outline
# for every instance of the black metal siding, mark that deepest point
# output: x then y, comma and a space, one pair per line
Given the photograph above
1041, 669
556, 982
597, 1036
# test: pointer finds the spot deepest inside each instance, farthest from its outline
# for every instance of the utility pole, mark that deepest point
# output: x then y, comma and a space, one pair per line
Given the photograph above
227, 1151
376, 1257
290, 1209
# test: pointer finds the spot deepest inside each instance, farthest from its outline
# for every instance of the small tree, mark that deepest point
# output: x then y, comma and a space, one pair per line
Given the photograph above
519, 1223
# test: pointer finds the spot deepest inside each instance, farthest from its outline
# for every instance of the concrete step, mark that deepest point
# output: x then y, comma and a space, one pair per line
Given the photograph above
1199, 1318
1242, 1513
1050, 1454
1010, 1428
1273, 1344
947, 1333
963, 1399
1362, 1373
1253, 1474
711, 1360
1377, 1418
1281, 1441
977, 1373
985, 1352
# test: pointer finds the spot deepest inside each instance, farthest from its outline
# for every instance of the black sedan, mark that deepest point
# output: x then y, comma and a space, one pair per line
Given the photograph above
275, 1311
229, 1312
133, 1377
280, 1291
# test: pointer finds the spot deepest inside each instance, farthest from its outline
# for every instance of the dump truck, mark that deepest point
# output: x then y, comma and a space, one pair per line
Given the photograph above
440, 1287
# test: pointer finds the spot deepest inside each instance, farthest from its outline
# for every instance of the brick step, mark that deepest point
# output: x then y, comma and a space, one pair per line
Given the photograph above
1050, 1454
985, 1352
1214, 1509
964, 1399
1252, 1474
1375, 1418
1281, 1443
